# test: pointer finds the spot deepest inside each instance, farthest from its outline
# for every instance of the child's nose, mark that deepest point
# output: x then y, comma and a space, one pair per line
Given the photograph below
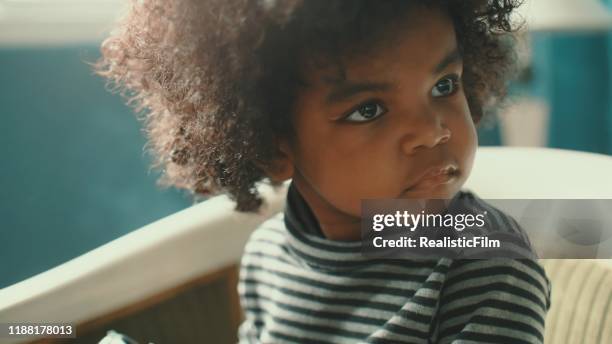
425, 130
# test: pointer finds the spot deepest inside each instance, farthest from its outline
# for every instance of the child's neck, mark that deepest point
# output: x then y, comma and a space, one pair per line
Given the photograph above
334, 224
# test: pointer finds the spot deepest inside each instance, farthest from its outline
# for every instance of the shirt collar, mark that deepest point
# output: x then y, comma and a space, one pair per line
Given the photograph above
308, 242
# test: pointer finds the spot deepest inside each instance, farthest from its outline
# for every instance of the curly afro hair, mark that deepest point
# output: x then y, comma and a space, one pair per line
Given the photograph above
214, 80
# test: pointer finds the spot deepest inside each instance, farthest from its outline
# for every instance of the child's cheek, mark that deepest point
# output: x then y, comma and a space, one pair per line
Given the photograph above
468, 141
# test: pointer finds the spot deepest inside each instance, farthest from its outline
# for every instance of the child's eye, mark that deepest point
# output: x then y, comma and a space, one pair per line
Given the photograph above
365, 112
446, 87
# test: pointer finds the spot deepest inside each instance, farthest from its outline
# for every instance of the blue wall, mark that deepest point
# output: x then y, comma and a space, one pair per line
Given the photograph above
73, 174
572, 73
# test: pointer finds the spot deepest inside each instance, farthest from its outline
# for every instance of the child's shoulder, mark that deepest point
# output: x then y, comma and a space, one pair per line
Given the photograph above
503, 272
274, 224
271, 232
496, 218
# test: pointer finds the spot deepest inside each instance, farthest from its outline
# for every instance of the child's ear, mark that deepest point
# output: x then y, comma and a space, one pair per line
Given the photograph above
281, 168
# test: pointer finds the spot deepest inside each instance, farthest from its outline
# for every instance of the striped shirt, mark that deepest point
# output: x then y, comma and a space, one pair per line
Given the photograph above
296, 286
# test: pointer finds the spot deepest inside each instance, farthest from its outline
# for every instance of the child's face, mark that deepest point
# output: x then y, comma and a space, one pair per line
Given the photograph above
398, 116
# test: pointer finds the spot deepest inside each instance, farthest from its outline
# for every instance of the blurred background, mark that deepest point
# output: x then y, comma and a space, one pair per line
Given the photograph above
74, 174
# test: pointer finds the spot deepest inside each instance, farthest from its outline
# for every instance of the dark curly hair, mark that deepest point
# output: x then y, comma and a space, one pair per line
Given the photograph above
214, 80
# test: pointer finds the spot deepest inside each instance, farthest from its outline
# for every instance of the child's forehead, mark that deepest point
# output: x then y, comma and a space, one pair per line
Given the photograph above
414, 45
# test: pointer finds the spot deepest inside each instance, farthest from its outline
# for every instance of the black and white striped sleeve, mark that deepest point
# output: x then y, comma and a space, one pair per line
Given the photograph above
494, 301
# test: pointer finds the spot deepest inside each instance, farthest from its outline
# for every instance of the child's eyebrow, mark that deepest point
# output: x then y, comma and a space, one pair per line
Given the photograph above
453, 57
347, 89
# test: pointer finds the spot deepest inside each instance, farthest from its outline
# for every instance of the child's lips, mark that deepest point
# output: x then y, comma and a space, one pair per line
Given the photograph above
435, 177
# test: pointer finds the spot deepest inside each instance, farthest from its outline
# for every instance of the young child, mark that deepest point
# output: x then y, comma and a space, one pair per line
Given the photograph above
351, 100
